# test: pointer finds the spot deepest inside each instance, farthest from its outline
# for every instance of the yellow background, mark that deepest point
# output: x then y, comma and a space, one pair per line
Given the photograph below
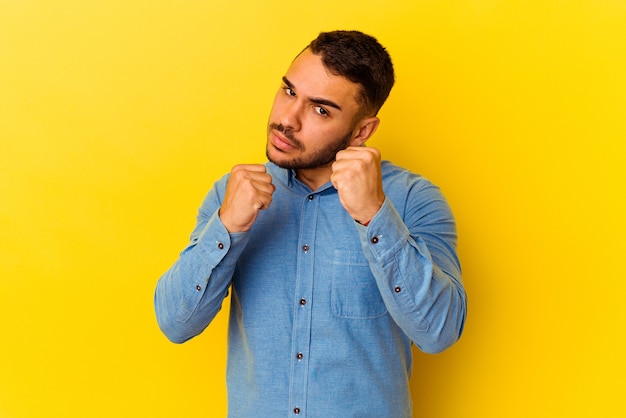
117, 116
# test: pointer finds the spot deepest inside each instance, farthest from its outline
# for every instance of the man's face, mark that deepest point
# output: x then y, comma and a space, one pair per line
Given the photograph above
313, 116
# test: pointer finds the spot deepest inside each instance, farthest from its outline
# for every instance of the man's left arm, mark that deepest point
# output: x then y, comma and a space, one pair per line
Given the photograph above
418, 272
413, 256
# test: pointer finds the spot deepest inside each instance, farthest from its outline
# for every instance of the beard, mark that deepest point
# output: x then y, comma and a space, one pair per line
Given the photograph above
320, 158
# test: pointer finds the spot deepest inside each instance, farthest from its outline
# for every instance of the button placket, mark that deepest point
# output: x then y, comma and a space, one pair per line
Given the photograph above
303, 296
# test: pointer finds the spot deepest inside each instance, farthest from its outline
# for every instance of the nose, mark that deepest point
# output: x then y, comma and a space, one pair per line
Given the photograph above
290, 115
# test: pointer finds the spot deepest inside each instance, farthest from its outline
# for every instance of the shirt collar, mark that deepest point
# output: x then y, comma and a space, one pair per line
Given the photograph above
292, 180
291, 176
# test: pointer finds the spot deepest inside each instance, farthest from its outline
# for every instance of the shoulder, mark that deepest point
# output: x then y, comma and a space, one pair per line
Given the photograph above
397, 177
412, 194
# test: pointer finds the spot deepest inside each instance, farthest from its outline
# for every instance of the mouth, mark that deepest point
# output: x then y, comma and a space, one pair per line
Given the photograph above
281, 143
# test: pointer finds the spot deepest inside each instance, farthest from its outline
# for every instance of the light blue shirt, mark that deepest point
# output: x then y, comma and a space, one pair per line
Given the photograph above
323, 309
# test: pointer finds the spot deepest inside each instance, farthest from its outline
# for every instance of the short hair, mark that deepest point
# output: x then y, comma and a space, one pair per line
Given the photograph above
361, 59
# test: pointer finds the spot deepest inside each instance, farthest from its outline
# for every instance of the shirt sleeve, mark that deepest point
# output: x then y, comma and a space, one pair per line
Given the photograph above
413, 259
191, 292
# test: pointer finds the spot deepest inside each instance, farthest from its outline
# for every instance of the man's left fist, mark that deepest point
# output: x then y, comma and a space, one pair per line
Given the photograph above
356, 174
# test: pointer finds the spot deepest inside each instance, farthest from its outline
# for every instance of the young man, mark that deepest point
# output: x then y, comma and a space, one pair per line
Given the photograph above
337, 261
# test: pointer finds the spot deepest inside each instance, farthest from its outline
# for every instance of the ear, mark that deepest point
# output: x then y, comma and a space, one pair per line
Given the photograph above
364, 130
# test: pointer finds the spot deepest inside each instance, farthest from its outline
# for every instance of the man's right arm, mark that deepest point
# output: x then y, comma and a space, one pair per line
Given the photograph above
191, 292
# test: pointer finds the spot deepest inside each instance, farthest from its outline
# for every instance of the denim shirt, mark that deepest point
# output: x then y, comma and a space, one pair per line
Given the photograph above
323, 310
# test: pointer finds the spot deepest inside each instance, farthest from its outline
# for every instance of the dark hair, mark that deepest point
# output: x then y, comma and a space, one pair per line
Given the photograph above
362, 60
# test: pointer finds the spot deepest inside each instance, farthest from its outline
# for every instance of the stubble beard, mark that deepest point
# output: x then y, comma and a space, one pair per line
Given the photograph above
321, 158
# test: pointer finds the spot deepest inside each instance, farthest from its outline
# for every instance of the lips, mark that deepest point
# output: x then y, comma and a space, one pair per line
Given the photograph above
281, 143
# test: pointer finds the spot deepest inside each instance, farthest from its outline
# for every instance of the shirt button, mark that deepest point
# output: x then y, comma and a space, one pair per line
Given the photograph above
398, 289
296, 410
299, 356
305, 248
375, 240
302, 302
198, 288
220, 245
310, 197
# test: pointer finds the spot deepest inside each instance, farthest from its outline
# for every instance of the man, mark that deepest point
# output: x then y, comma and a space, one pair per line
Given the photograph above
337, 261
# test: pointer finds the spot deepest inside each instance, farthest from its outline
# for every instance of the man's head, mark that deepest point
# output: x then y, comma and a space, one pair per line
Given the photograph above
328, 100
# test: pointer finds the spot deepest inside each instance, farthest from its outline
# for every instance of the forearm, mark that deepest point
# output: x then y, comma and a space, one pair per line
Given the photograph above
191, 292
419, 278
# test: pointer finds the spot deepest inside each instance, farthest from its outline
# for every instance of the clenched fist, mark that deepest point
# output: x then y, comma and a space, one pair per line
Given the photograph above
248, 191
356, 174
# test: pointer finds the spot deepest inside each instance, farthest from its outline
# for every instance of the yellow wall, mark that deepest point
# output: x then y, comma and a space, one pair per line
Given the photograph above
117, 116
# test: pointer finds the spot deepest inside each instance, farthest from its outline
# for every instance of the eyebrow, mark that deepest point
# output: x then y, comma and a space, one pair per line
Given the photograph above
317, 100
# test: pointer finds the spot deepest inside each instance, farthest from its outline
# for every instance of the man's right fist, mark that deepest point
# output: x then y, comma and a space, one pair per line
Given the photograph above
249, 190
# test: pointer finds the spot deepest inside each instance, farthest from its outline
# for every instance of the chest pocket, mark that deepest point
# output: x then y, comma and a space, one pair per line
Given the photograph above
355, 294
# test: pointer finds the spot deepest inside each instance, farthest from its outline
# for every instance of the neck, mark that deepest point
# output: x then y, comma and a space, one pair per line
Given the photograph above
314, 177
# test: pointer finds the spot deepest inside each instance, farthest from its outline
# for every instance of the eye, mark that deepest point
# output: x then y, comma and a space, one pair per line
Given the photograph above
289, 91
321, 111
